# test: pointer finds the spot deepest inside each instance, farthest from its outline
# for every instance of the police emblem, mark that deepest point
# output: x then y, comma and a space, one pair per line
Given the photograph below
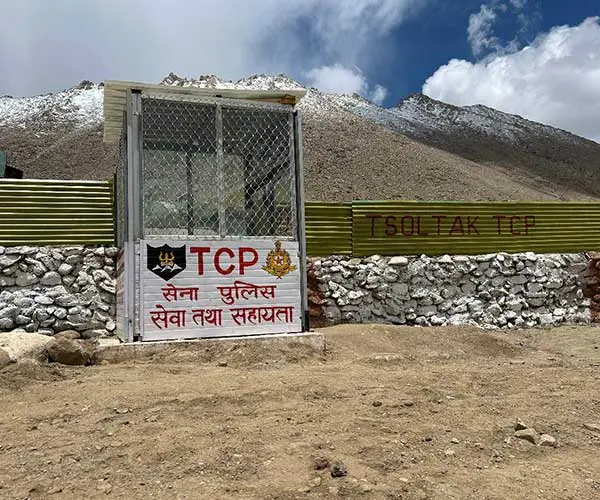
165, 261
279, 262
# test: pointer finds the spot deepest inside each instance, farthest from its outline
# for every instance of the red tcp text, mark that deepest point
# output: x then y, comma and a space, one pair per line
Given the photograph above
226, 260
515, 225
443, 225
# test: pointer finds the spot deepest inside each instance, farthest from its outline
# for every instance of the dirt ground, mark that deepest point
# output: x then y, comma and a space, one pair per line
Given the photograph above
411, 413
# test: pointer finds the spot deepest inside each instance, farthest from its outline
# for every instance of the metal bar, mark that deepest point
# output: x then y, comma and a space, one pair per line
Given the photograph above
136, 167
129, 258
299, 171
292, 162
223, 101
220, 171
138, 204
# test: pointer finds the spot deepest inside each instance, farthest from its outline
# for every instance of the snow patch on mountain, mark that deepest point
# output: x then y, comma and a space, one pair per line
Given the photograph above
81, 106
417, 116
431, 116
254, 82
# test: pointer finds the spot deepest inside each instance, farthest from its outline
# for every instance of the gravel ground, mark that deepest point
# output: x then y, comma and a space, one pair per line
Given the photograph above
385, 413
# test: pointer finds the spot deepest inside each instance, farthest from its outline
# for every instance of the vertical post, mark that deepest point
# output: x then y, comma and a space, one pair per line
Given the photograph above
136, 165
136, 213
129, 273
123, 243
299, 175
293, 217
189, 194
220, 172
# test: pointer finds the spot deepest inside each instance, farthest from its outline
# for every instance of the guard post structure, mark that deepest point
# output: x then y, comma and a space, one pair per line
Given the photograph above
210, 211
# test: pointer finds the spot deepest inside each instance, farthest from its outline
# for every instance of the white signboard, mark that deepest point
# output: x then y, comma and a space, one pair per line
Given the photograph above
217, 288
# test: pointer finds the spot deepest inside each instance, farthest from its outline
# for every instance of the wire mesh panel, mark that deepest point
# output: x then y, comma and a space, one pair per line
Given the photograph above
217, 169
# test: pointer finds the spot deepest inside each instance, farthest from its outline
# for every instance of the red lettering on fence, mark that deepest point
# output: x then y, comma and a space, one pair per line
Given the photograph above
471, 225
513, 231
373, 218
391, 228
419, 231
439, 222
457, 227
499, 219
529, 222
405, 232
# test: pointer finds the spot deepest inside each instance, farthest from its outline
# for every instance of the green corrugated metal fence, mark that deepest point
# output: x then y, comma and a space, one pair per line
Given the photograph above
51, 212
435, 228
328, 228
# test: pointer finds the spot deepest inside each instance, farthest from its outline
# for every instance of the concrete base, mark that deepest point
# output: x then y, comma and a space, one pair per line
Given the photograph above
112, 352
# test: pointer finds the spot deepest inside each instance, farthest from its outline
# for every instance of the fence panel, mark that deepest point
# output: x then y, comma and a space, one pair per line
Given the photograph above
55, 212
328, 228
435, 228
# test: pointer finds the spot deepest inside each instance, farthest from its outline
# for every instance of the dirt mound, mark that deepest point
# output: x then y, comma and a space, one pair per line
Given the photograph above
18, 376
258, 353
391, 345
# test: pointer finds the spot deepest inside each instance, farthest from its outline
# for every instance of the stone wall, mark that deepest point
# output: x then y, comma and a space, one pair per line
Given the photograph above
498, 290
73, 288
52, 289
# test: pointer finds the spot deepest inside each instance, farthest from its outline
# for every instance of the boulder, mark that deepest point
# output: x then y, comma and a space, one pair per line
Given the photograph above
20, 345
70, 352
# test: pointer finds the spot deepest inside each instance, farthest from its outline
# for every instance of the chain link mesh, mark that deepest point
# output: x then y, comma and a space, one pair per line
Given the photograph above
217, 170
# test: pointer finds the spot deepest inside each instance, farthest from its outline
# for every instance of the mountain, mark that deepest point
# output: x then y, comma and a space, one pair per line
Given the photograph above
354, 149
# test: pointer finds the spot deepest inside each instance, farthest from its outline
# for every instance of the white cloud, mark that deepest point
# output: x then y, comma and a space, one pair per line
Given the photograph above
480, 29
518, 4
378, 94
555, 80
481, 26
339, 79
55, 44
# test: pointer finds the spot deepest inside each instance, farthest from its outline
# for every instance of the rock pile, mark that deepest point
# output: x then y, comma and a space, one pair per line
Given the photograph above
592, 284
50, 290
495, 290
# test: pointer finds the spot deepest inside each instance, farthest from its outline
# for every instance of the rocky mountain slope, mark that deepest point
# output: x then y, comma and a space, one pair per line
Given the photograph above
421, 149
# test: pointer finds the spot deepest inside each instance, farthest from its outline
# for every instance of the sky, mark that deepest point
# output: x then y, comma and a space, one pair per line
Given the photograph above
536, 58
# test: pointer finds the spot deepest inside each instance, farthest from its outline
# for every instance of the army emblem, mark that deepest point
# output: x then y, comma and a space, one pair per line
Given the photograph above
279, 262
165, 261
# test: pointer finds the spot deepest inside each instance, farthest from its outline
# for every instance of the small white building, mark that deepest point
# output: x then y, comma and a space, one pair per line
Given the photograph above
210, 211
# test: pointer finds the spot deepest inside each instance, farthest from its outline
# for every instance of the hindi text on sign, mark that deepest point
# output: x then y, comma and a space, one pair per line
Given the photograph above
245, 291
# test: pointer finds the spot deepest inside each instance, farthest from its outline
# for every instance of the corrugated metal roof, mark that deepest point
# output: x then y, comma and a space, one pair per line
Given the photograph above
115, 99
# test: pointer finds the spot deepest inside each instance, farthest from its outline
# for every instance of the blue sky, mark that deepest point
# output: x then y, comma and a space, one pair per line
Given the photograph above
536, 58
427, 41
